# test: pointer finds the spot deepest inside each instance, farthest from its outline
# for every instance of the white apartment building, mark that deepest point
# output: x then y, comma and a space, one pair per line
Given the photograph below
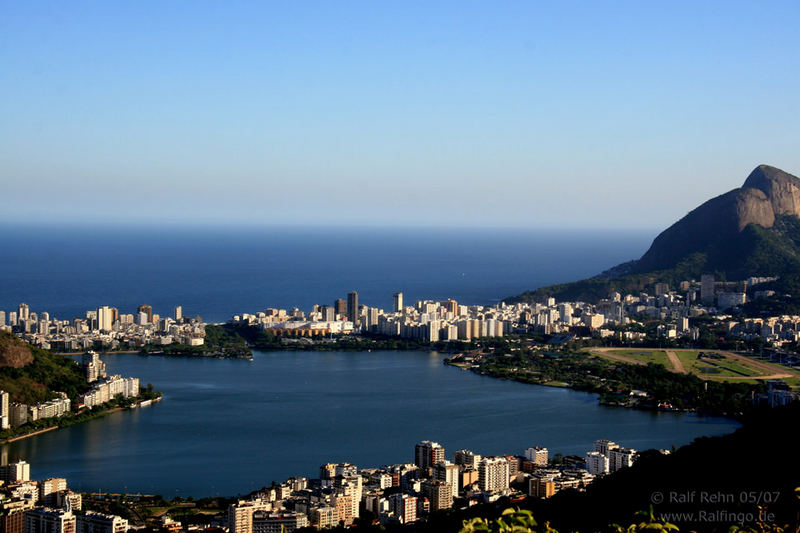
493, 474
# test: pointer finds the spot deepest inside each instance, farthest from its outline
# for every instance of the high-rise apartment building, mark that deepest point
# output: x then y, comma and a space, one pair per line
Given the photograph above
105, 318
93, 367
277, 522
447, 472
597, 463
15, 472
404, 507
49, 521
467, 458
707, 288
92, 522
493, 474
5, 413
537, 455
327, 471
178, 313
12, 518
439, 493
240, 514
18, 414
620, 458
428, 453
397, 302
49, 489
541, 487
147, 310
340, 306
328, 313
605, 446
352, 307
70, 500
23, 312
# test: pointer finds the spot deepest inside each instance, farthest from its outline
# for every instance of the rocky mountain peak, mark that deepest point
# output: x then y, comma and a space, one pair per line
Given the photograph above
781, 188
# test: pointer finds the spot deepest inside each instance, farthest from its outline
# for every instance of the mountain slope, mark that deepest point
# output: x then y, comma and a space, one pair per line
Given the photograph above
750, 231
730, 227
40, 376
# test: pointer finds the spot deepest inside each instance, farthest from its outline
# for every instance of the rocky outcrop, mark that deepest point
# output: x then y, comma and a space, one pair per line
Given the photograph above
767, 193
752, 207
14, 352
782, 189
750, 231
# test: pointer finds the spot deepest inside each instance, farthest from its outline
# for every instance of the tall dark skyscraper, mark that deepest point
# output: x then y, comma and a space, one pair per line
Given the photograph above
428, 453
340, 307
352, 307
147, 309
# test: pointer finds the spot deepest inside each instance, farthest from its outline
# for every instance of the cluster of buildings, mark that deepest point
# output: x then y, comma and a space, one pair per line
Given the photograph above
104, 388
426, 320
103, 328
433, 321
608, 457
616, 316
778, 394
47, 506
15, 414
404, 493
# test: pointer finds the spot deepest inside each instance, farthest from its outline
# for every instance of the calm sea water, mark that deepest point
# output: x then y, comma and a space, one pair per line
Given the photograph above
230, 426
219, 273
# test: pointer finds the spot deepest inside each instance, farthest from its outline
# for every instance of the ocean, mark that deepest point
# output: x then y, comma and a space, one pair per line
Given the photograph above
216, 273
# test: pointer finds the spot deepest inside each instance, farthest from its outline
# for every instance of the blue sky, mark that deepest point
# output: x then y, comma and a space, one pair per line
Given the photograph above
529, 114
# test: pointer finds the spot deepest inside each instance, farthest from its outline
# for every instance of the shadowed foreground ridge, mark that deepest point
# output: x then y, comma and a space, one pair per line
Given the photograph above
753, 230
695, 488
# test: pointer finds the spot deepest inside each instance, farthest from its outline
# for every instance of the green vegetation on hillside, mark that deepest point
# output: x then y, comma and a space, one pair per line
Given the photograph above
617, 280
755, 251
39, 380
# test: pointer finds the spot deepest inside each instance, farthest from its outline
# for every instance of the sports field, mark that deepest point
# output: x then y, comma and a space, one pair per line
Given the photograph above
706, 364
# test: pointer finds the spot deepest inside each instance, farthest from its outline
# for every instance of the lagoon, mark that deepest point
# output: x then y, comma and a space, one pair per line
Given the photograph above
227, 427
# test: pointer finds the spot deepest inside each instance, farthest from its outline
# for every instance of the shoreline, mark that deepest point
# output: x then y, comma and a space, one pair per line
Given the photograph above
31, 434
141, 403
602, 399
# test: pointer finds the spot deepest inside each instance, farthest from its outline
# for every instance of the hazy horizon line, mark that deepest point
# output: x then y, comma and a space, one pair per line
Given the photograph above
127, 225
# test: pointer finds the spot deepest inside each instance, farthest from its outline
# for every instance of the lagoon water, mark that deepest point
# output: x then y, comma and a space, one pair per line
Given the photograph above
230, 426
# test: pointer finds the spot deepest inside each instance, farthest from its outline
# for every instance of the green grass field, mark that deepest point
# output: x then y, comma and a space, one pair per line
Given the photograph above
658, 357
725, 367
709, 368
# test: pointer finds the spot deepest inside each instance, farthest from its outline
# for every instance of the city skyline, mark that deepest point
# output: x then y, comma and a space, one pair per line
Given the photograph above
439, 115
